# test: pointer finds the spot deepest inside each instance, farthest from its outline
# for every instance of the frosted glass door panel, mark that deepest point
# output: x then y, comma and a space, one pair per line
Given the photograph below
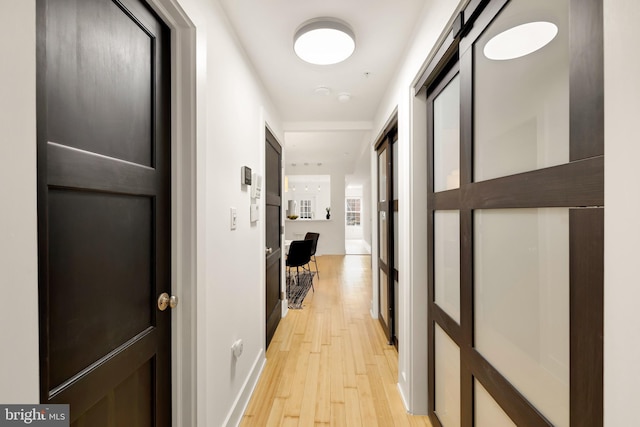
395, 169
446, 137
396, 243
384, 297
521, 111
487, 411
382, 176
447, 262
521, 268
383, 234
447, 380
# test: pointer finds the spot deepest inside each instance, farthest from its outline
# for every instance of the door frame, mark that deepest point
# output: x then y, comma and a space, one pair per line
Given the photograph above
386, 142
270, 139
187, 216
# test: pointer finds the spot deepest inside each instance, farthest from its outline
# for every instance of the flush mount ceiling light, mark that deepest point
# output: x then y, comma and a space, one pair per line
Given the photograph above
344, 97
322, 90
520, 41
324, 41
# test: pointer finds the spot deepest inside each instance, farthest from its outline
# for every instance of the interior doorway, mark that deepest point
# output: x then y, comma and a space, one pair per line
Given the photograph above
355, 240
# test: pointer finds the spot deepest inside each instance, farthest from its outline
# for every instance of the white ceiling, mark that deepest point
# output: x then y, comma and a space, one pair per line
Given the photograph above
265, 28
326, 147
382, 29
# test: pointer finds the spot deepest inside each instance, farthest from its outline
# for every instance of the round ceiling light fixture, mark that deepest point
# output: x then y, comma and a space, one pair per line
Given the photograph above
344, 97
324, 41
520, 40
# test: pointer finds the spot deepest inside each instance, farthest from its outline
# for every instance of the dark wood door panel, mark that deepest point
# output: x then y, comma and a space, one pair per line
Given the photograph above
70, 167
129, 400
97, 381
104, 227
100, 277
99, 94
273, 209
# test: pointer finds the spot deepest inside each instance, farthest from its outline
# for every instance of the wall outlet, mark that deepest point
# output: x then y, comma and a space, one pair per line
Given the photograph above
237, 348
234, 218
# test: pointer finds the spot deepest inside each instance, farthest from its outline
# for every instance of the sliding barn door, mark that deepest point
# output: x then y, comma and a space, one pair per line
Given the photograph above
515, 218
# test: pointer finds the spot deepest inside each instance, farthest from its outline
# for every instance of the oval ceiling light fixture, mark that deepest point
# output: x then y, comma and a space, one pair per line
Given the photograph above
324, 41
520, 41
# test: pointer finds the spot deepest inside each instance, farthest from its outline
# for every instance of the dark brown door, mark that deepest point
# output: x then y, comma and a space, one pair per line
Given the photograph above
104, 211
515, 220
387, 208
273, 202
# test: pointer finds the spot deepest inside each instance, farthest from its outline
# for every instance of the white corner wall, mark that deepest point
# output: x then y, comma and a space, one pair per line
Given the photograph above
622, 205
412, 351
19, 358
331, 241
232, 112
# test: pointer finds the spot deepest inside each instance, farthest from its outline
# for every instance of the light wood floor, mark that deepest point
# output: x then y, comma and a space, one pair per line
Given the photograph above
329, 364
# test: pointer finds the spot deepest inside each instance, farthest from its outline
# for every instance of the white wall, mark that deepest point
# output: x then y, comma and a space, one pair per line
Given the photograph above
316, 188
231, 116
19, 380
362, 176
233, 290
232, 109
331, 241
622, 204
412, 375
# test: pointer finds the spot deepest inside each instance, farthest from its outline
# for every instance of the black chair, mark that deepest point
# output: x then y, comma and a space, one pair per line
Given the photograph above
313, 237
299, 256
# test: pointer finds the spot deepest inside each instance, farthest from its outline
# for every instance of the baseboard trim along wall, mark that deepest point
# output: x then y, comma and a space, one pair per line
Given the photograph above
242, 401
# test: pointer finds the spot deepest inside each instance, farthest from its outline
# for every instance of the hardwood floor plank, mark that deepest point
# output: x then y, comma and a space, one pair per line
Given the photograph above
294, 401
323, 398
338, 414
288, 375
329, 363
277, 412
337, 370
352, 407
379, 396
367, 404
310, 392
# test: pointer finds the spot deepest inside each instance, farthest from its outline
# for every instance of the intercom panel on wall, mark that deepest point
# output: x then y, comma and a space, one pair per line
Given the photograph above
245, 175
256, 186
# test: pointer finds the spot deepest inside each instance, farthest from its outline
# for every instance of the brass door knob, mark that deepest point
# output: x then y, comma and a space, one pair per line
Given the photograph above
164, 301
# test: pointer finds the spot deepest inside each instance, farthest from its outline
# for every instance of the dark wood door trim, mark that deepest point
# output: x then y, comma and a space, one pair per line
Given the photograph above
273, 218
388, 207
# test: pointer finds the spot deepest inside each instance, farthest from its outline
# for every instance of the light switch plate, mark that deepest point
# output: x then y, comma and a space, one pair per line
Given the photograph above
234, 218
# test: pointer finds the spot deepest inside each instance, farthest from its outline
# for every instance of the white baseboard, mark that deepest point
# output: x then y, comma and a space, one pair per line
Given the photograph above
404, 400
242, 401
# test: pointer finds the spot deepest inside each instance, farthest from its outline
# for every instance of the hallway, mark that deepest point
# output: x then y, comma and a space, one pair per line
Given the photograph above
329, 364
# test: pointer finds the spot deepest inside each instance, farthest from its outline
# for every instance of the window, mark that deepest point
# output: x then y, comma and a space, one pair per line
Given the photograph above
353, 212
305, 209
